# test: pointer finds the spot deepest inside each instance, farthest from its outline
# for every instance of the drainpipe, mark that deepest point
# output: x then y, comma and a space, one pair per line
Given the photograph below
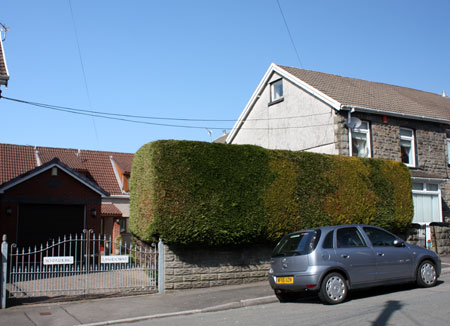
350, 145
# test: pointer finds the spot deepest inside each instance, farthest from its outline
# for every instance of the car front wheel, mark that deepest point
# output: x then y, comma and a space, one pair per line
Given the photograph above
333, 289
426, 274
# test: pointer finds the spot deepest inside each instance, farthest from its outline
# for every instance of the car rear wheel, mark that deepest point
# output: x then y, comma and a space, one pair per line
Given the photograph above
426, 274
333, 289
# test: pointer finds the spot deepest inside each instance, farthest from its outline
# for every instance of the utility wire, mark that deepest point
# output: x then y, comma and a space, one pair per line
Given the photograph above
153, 117
321, 145
78, 112
82, 68
4, 29
289, 32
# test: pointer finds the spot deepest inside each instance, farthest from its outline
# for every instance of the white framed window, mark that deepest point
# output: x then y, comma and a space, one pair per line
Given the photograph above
276, 91
427, 202
360, 140
407, 147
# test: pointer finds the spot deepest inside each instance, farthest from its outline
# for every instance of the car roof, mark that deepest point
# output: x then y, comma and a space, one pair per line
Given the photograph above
333, 227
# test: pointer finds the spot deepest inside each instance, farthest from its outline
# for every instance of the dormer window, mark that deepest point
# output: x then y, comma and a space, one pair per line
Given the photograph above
276, 91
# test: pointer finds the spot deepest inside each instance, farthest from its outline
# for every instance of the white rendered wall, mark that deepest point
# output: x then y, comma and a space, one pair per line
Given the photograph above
309, 124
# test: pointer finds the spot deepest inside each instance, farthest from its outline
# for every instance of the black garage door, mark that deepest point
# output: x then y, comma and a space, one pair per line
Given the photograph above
40, 223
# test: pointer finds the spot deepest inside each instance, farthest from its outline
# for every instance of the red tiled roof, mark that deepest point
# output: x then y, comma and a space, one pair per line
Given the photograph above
18, 159
125, 162
110, 210
378, 96
15, 160
70, 157
100, 167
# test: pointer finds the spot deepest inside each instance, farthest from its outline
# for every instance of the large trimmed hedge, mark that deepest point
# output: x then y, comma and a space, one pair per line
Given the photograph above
214, 194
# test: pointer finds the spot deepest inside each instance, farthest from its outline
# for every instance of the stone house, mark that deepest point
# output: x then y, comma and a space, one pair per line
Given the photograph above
297, 109
49, 192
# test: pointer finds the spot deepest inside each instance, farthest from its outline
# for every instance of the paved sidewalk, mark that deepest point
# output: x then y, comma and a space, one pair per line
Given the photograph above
110, 311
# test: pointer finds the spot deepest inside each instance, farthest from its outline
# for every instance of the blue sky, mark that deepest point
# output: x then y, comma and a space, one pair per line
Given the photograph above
197, 60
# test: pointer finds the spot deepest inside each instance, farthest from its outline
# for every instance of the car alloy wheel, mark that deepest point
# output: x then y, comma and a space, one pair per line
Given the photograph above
333, 289
427, 274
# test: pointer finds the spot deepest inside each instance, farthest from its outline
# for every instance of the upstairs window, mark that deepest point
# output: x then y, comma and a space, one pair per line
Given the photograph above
276, 91
361, 140
407, 146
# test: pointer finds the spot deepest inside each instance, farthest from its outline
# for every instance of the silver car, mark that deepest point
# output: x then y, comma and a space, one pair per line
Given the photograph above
335, 259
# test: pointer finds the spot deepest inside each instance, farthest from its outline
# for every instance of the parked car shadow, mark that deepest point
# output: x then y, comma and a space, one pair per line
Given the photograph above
312, 297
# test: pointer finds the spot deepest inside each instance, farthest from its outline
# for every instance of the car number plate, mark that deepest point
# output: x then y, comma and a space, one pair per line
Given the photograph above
285, 280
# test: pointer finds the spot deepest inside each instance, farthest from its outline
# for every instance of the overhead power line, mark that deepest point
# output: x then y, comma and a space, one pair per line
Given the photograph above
125, 118
82, 67
154, 117
290, 35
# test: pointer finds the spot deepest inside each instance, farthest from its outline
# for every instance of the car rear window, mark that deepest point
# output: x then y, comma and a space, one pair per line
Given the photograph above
299, 243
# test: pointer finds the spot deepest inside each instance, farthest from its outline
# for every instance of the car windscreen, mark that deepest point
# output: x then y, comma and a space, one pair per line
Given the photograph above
299, 243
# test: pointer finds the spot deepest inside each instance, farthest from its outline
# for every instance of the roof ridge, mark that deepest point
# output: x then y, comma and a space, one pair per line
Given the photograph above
65, 148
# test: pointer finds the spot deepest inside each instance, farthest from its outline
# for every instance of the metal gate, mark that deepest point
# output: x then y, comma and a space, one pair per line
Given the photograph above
81, 265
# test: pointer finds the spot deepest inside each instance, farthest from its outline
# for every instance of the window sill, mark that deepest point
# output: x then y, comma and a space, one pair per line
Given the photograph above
276, 101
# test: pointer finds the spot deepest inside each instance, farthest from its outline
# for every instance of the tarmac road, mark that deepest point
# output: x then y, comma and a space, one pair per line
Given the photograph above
238, 304
398, 305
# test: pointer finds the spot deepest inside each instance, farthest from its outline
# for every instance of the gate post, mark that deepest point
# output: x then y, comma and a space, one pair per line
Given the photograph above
161, 266
4, 271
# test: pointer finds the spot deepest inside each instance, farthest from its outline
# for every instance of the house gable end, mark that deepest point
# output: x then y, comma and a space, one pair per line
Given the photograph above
47, 166
272, 74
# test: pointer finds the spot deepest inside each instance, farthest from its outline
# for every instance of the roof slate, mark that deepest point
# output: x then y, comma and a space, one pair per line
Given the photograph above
18, 159
373, 95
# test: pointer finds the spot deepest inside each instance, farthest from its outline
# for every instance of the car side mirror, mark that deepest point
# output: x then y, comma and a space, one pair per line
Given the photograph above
399, 243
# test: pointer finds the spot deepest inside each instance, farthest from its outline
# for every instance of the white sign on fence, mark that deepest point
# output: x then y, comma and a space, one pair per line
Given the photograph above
114, 259
63, 260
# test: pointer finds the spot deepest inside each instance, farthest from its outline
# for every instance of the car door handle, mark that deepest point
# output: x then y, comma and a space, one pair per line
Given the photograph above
345, 256
380, 254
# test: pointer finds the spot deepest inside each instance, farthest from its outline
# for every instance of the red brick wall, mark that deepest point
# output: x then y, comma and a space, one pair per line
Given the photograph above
47, 189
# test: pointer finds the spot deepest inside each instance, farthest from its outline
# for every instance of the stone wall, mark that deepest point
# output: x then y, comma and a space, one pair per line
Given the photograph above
431, 146
187, 268
385, 141
440, 237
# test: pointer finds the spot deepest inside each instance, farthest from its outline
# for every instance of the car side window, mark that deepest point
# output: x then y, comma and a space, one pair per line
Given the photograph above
328, 241
349, 238
379, 238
